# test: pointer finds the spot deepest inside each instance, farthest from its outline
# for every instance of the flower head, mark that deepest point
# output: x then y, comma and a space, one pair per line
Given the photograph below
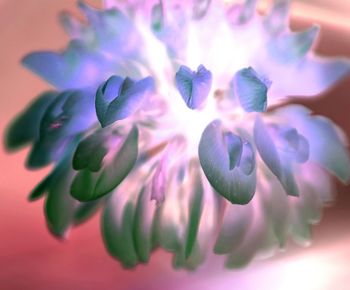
171, 117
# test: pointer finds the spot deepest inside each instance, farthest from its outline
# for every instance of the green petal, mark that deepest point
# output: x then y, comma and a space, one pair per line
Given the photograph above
92, 185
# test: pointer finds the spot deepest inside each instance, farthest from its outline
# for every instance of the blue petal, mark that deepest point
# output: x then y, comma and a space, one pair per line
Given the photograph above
194, 87
292, 47
266, 147
234, 185
111, 31
76, 67
308, 77
278, 161
303, 152
117, 100
251, 90
234, 148
326, 146
247, 162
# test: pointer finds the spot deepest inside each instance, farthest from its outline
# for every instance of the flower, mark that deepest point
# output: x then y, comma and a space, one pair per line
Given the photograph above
172, 118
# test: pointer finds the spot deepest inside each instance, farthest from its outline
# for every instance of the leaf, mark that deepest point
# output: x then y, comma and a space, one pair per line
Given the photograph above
251, 90
89, 185
194, 87
234, 185
117, 99
25, 128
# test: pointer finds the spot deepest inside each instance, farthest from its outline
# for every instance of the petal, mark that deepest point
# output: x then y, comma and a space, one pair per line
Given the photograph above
194, 87
326, 147
277, 161
145, 220
157, 17
59, 205
242, 13
277, 19
117, 222
88, 185
25, 128
91, 152
128, 98
159, 180
200, 8
234, 185
234, 148
251, 90
309, 77
195, 212
303, 153
236, 223
266, 147
76, 67
292, 47
247, 163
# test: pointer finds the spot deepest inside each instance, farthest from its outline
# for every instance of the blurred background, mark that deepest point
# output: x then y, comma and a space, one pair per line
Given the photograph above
30, 258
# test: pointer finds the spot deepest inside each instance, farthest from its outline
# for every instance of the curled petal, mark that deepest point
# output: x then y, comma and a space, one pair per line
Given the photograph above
234, 185
117, 99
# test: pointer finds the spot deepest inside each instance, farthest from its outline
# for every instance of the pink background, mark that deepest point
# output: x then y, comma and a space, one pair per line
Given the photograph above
32, 259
